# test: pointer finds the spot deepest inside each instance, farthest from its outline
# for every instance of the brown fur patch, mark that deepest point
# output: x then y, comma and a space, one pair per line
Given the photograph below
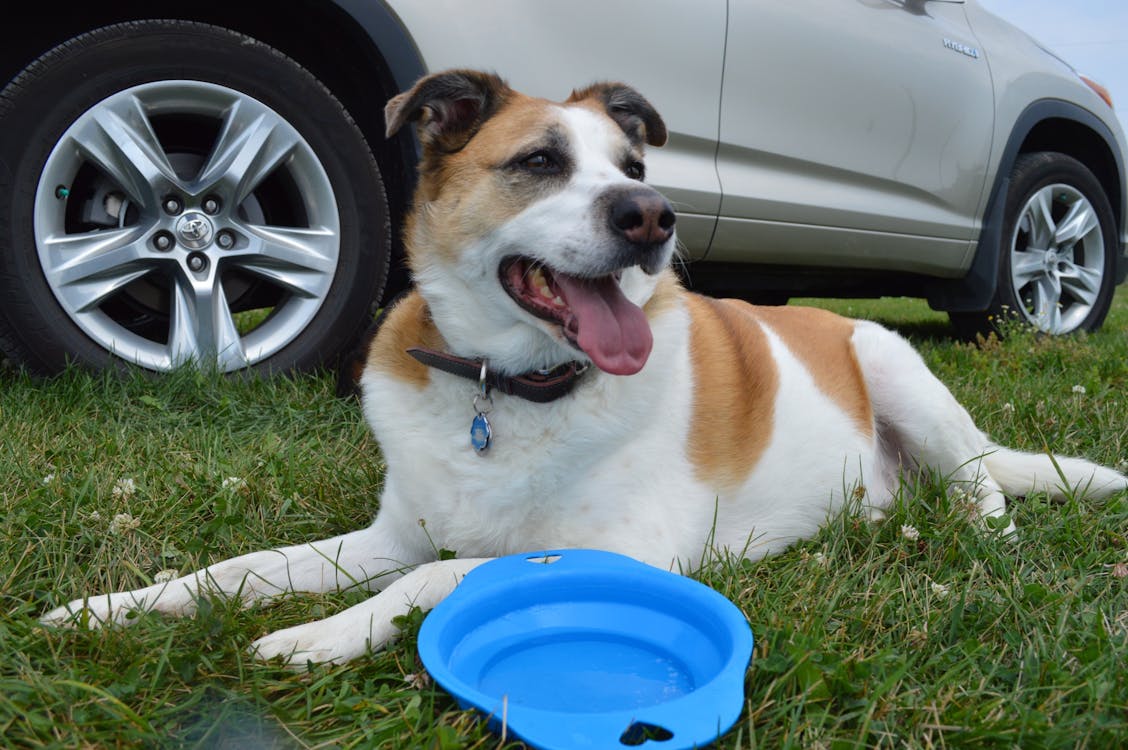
466, 195
821, 341
409, 324
735, 384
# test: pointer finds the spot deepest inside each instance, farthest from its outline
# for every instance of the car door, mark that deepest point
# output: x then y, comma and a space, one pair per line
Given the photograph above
672, 51
853, 133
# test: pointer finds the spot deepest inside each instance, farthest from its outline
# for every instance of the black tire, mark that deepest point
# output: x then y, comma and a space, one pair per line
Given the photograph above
303, 330
1056, 286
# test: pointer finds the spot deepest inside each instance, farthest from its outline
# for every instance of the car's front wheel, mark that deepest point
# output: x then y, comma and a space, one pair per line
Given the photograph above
180, 193
1056, 266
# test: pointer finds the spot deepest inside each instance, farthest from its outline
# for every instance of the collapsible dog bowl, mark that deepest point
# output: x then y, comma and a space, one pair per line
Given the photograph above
586, 649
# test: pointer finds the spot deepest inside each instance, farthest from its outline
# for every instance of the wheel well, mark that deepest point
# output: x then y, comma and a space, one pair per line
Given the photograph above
319, 35
1083, 144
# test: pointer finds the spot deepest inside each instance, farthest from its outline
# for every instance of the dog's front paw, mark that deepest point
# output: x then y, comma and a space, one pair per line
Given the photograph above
317, 642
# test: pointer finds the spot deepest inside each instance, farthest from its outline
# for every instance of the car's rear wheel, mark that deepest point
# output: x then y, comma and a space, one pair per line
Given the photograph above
1056, 266
183, 194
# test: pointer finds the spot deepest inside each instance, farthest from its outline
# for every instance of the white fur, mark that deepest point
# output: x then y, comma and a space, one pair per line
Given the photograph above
606, 467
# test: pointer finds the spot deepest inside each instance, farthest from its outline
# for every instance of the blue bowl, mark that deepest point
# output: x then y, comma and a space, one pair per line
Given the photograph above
588, 649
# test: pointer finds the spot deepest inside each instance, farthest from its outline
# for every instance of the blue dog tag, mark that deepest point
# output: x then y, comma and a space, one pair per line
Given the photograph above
480, 433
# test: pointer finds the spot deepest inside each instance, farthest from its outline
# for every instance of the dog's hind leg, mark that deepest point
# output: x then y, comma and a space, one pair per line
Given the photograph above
370, 558
919, 417
919, 421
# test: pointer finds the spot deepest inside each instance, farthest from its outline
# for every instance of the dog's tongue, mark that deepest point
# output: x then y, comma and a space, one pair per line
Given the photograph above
610, 329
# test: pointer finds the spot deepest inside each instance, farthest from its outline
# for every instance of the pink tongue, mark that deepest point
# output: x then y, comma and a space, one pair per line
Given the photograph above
611, 329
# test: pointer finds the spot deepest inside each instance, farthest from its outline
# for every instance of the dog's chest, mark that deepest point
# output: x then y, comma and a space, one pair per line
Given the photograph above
554, 474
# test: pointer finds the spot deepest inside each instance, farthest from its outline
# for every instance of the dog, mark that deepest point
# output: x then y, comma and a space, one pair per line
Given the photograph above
549, 384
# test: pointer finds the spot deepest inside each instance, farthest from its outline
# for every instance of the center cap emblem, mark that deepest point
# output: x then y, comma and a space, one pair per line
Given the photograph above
194, 230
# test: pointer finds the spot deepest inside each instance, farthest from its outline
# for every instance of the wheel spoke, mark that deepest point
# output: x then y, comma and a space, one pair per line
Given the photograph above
119, 139
201, 328
251, 145
1079, 222
85, 269
301, 260
1027, 266
1082, 283
1047, 307
1040, 213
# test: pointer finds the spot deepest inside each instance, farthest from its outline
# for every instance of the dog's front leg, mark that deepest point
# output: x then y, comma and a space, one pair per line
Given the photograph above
350, 633
370, 558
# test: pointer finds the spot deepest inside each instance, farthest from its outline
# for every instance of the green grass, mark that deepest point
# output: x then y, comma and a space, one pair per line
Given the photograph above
865, 638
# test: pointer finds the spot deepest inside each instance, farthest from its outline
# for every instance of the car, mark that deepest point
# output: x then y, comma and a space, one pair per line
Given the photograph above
211, 183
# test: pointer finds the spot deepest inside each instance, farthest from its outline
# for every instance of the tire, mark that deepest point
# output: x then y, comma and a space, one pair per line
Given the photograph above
1058, 254
177, 193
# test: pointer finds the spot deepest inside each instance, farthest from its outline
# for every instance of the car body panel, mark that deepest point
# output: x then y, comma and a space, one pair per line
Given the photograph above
872, 126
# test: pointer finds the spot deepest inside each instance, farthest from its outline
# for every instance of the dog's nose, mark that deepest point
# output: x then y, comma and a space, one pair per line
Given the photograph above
642, 216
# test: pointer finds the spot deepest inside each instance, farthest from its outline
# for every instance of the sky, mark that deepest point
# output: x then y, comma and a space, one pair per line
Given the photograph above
1092, 35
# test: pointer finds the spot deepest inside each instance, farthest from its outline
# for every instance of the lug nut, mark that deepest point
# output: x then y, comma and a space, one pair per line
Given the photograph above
225, 239
211, 205
163, 241
172, 205
197, 262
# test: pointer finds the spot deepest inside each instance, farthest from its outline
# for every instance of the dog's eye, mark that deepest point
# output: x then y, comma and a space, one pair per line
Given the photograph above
541, 162
635, 170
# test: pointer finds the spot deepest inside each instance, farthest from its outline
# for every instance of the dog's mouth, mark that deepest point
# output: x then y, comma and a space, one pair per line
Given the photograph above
593, 313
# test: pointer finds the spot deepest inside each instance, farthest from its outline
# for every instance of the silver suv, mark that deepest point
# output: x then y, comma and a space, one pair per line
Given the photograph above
216, 188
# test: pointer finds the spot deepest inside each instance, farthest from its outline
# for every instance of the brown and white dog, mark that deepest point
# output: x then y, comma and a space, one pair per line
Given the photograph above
626, 413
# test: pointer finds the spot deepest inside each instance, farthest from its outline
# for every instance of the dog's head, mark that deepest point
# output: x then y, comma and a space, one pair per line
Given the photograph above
532, 234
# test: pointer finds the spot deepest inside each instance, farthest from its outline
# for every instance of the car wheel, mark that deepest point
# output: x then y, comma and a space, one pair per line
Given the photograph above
1056, 265
180, 193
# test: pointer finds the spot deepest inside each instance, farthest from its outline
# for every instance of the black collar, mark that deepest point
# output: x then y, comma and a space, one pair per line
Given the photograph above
540, 387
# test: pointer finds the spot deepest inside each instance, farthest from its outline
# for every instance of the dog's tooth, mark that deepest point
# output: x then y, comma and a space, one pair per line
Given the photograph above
557, 301
546, 292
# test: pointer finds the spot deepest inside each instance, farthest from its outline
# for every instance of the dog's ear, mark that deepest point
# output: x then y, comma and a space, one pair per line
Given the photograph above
636, 116
447, 107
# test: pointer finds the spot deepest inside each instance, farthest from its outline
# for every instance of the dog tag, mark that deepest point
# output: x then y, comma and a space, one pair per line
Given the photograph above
480, 433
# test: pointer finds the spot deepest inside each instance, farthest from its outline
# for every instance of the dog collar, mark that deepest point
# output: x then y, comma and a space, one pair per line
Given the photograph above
539, 386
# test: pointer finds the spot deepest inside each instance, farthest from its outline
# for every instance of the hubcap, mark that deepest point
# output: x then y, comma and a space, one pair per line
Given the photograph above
194, 230
1057, 259
181, 221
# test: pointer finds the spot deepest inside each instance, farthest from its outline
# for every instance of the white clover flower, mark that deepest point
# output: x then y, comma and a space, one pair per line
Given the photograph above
234, 483
910, 532
1079, 390
124, 488
1118, 570
95, 515
959, 494
941, 590
123, 523
48, 479
815, 558
418, 681
166, 575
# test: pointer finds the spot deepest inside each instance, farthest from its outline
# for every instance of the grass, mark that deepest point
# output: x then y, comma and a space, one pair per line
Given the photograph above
865, 637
